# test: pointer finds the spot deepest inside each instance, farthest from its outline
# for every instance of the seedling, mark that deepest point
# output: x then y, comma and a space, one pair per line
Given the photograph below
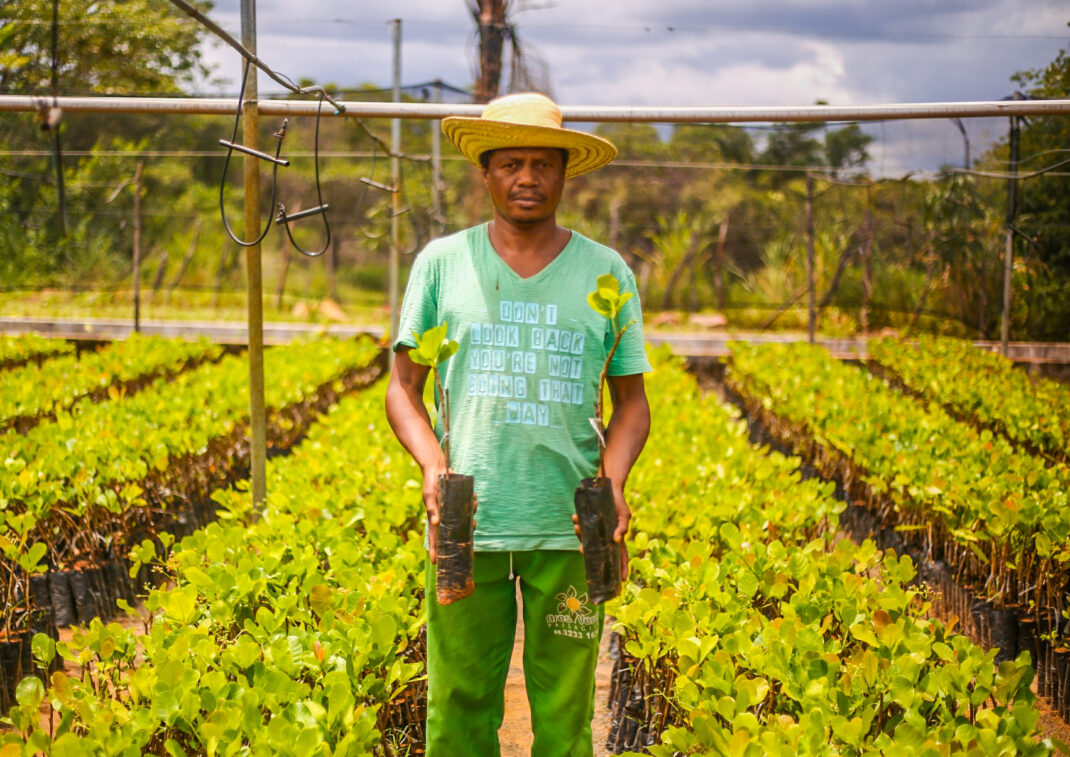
456, 493
594, 496
432, 349
607, 300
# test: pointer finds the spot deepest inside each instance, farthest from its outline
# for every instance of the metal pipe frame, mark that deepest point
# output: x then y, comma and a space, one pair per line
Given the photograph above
582, 113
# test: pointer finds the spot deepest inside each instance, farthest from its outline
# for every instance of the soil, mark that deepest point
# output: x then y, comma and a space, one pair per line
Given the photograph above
515, 733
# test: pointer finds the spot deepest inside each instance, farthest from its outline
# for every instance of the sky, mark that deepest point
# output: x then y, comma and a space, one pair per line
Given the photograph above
692, 52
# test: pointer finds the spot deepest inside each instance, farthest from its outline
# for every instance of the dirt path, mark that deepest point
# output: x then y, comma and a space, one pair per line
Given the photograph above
515, 733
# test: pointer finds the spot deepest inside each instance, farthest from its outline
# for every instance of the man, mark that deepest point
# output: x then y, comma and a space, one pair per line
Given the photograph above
522, 389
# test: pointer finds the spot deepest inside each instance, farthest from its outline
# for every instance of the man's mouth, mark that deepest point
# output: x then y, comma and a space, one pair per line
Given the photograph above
528, 199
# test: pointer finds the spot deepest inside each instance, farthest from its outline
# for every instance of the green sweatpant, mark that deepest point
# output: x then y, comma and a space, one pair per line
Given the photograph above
470, 642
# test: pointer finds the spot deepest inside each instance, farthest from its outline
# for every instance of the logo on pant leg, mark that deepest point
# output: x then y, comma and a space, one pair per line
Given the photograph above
575, 618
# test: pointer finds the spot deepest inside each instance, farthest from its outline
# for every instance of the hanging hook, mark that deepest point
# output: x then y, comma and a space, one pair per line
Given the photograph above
320, 209
233, 145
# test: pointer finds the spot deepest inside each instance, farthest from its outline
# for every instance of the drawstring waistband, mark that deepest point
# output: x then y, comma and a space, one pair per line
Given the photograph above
511, 576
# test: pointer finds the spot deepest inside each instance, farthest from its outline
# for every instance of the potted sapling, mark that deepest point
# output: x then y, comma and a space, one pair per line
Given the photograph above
593, 499
456, 493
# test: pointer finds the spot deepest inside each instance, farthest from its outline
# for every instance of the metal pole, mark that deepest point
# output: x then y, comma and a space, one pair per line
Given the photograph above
1008, 253
614, 114
137, 245
810, 253
395, 171
251, 138
436, 163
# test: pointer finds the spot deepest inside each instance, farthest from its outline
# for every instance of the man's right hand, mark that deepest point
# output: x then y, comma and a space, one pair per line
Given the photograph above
431, 475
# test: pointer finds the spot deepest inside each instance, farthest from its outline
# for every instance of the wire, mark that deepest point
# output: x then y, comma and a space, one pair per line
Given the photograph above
1008, 174
1034, 156
196, 95
648, 28
226, 163
321, 208
250, 58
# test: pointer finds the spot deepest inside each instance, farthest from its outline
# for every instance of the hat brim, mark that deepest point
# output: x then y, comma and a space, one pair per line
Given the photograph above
474, 136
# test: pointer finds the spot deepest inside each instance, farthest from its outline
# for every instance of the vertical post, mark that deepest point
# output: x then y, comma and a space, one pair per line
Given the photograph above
810, 253
57, 151
251, 138
436, 164
395, 170
137, 245
1008, 253
867, 270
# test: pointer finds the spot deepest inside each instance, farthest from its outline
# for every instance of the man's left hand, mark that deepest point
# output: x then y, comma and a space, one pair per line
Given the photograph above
620, 534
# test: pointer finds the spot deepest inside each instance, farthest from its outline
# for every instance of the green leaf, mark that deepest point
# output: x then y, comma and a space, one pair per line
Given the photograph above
432, 347
44, 648
30, 692
600, 305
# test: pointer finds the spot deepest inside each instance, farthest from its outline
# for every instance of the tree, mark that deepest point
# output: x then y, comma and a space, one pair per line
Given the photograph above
794, 144
109, 47
845, 149
711, 143
527, 71
1043, 245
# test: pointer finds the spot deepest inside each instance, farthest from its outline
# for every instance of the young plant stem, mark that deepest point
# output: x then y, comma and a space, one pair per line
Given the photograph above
444, 403
598, 399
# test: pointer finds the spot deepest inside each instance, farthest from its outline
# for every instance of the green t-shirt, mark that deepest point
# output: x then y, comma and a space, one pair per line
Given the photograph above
523, 384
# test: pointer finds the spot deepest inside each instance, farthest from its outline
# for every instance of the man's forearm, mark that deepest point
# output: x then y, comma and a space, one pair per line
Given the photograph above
625, 437
412, 425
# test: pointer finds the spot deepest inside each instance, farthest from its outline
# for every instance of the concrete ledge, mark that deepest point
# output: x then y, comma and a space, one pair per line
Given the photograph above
687, 344
218, 331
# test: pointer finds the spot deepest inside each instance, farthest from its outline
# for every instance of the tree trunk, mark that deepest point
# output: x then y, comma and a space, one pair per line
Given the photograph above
867, 268
332, 269
670, 287
158, 281
189, 256
718, 266
491, 20
280, 291
137, 245
840, 268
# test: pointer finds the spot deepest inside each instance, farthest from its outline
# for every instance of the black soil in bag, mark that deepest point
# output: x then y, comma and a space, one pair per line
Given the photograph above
598, 521
456, 506
62, 601
1004, 634
41, 601
16, 660
85, 602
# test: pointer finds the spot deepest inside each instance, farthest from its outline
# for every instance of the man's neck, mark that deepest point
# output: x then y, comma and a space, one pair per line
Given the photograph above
527, 249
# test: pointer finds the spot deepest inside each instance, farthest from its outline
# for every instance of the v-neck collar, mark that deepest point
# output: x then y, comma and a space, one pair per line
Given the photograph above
490, 252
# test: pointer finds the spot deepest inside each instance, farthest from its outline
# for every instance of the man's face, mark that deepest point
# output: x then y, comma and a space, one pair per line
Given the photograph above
525, 183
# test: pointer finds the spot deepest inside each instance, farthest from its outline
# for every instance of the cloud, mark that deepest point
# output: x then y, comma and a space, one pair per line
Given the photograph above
692, 52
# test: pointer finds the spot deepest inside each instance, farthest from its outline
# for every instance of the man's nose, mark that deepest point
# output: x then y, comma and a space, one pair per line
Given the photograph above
526, 175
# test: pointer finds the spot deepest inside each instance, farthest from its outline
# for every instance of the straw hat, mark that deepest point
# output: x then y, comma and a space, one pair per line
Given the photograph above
527, 119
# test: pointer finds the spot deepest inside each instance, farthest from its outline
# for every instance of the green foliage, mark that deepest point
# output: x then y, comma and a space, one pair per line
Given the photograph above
712, 143
291, 630
35, 390
21, 348
751, 631
92, 460
994, 505
608, 299
433, 347
110, 47
982, 384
